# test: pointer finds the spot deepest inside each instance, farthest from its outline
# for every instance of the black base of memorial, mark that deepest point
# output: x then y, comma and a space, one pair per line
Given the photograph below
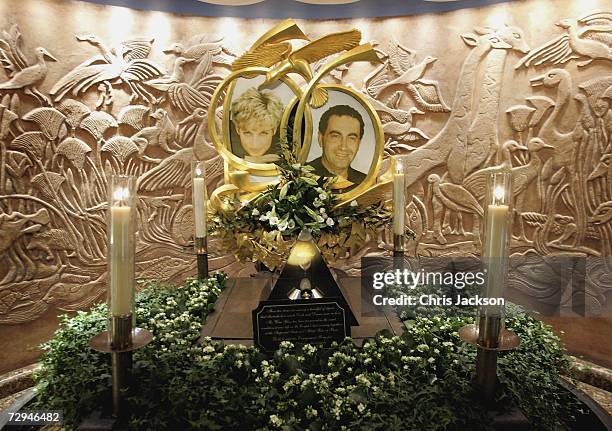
231, 320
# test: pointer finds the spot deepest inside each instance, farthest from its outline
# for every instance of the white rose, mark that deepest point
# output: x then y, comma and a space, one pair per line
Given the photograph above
255, 212
329, 221
354, 203
323, 196
322, 210
273, 221
317, 203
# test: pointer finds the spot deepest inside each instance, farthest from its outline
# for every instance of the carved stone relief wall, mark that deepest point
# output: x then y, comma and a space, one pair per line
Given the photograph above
87, 91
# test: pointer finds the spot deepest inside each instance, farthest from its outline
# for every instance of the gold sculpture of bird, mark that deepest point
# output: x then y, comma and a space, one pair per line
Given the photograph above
269, 53
299, 61
271, 47
201, 45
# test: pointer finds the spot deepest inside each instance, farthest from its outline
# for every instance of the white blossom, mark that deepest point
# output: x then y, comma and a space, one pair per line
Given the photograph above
276, 420
255, 212
329, 221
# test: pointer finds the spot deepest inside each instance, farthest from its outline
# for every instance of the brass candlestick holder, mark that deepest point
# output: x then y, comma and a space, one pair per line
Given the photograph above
198, 178
120, 342
201, 250
398, 245
489, 338
121, 338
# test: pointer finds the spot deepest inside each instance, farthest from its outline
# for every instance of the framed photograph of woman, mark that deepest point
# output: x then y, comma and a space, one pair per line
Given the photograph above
252, 120
345, 141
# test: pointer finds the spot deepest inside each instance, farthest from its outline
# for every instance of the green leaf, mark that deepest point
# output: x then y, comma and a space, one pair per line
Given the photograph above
309, 181
311, 213
284, 191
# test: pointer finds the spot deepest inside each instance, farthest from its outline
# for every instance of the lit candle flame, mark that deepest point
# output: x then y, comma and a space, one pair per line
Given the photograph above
121, 194
399, 167
499, 193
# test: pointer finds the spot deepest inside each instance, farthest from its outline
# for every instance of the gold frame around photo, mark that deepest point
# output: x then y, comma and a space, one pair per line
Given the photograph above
222, 141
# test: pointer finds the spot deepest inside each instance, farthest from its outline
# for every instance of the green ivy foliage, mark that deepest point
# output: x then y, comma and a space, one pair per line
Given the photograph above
421, 380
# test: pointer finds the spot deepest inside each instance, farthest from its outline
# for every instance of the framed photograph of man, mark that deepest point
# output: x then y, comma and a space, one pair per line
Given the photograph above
252, 120
345, 141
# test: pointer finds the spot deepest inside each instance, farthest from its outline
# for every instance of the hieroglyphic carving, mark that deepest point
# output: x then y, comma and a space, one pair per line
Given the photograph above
58, 149
57, 159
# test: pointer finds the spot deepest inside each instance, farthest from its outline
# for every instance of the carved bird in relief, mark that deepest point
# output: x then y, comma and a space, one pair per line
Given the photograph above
603, 168
405, 131
550, 132
22, 74
173, 172
523, 175
404, 78
476, 183
201, 45
389, 108
128, 63
402, 62
177, 75
455, 198
193, 132
602, 214
589, 38
186, 96
161, 134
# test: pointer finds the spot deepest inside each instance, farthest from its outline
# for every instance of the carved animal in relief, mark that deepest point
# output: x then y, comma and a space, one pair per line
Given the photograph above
52, 241
450, 144
23, 75
588, 38
550, 132
128, 62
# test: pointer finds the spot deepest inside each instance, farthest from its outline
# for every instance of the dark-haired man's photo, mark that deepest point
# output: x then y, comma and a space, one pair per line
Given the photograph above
340, 132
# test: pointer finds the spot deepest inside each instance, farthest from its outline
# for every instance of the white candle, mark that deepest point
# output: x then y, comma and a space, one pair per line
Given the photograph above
199, 206
399, 204
122, 261
495, 245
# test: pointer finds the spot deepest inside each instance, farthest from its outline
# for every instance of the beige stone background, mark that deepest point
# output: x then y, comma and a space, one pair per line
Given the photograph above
57, 151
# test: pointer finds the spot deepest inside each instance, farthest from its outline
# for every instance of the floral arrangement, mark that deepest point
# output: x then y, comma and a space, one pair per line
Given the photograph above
421, 380
264, 228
